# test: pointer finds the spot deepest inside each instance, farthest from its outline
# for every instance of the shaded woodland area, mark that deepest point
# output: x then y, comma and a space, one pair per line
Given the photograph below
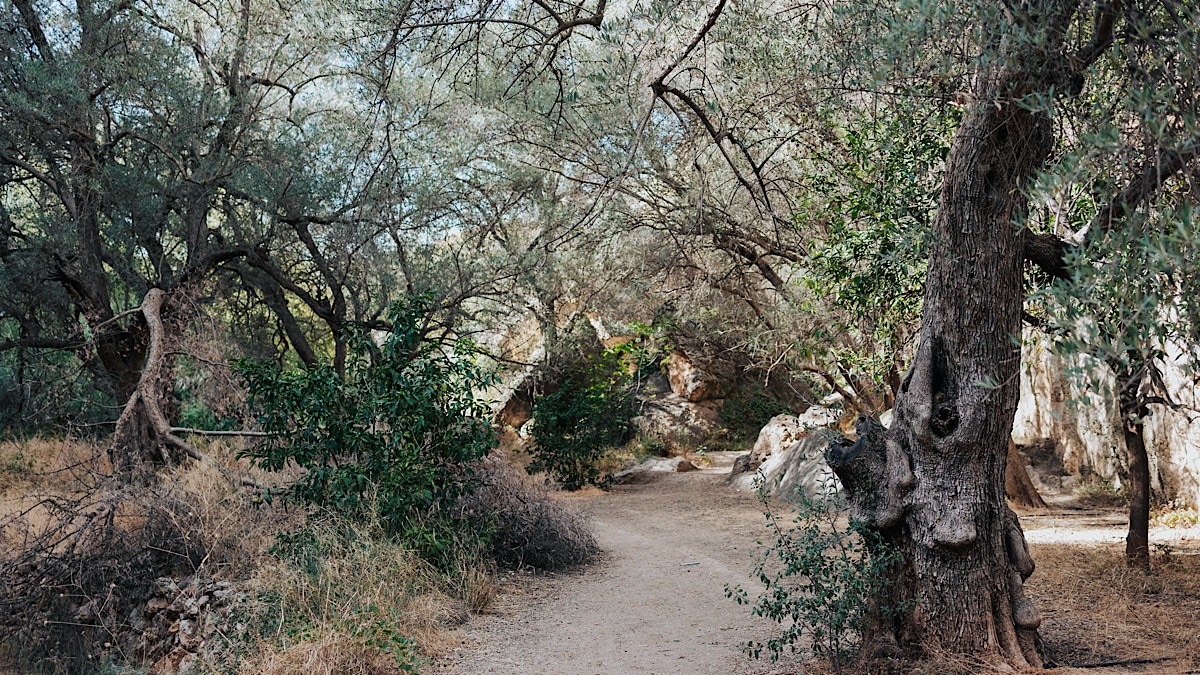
295, 291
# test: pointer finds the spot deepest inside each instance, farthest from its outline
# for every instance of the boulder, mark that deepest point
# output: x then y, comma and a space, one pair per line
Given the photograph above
694, 380
664, 414
789, 457
651, 469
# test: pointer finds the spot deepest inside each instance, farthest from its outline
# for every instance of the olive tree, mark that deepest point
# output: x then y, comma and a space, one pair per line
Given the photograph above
1054, 98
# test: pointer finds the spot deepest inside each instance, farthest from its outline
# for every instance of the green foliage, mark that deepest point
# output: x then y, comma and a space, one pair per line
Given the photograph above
881, 199
396, 433
588, 414
380, 629
745, 416
42, 389
1130, 294
874, 204
197, 416
819, 575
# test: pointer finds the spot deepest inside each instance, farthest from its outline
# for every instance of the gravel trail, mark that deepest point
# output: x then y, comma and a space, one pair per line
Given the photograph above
639, 609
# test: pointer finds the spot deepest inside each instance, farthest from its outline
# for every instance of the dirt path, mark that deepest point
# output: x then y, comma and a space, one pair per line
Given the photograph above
638, 610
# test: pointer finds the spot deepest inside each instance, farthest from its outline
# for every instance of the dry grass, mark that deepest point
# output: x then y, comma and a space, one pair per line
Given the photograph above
349, 600
1098, 610
331, 653
1175, 518
344, 574
1098, 493
80, 552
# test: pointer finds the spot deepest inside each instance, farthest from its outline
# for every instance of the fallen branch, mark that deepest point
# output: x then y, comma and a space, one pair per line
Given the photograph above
1128, 662
207, 432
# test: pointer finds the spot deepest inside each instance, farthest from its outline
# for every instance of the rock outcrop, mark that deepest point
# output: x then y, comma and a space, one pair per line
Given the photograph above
664, 414
1083, 423
788, 458
184, 619
694, 380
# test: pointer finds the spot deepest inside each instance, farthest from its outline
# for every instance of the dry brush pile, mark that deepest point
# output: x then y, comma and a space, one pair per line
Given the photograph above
186, 569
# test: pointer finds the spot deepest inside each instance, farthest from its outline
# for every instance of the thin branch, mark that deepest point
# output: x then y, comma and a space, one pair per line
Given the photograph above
832, 382
207, 432
1165, 164
39, 343
1102, 36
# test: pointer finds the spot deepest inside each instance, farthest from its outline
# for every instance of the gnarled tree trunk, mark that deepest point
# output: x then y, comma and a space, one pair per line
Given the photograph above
143, 432
933, 483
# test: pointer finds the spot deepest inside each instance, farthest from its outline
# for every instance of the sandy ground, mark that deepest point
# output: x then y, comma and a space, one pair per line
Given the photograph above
638, 610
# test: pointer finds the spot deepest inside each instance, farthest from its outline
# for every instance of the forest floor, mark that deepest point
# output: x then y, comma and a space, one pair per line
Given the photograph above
641, 610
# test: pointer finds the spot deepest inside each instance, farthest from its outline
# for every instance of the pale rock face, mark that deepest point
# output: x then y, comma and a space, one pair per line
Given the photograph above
672, 416
1173, 436
647, 470
1085, 425
789, 457
692, 382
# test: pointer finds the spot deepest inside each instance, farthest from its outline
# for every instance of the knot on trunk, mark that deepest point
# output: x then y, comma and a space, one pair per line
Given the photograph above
875, 471
956, 529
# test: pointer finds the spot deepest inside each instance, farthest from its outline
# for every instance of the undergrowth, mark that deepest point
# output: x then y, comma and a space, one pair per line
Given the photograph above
818, 575
81, 558
1097, 492
343, 590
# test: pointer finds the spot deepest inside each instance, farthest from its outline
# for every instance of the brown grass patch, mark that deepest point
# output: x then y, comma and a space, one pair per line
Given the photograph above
80, 552
330, 654
1100, 611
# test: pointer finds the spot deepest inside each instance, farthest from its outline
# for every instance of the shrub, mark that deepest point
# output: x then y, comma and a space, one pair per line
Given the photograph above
818, 577
528, 529
588, 414
402, 424
746, 415
1098, 492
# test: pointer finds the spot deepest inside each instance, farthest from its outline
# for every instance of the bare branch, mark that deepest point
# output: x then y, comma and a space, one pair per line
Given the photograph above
207, 432
1165, 164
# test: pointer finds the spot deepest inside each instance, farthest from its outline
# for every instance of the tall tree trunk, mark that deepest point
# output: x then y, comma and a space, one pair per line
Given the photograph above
1137, 488
1018, 486
933, 483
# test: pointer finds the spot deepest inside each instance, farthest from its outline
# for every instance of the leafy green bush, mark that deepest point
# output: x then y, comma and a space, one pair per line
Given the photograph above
818, 576
588, 414
400, 429
746, 415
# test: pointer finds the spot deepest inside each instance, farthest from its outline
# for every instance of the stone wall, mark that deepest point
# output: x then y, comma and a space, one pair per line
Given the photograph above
1076, 408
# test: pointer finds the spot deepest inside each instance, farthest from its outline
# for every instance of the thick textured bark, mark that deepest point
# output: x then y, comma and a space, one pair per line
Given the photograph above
933, 483
1018, 486
1137, 488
